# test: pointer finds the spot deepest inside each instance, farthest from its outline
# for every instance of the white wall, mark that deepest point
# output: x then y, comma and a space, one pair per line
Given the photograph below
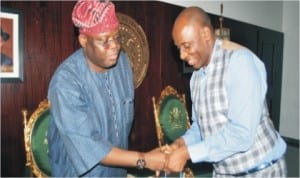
253, 12
281, 16
289, 117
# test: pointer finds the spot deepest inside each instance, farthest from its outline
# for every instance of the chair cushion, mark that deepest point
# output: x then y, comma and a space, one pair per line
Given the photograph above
39, 142
173, 118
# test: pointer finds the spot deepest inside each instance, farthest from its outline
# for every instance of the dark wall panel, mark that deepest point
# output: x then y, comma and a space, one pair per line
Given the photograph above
48, 39
156, 19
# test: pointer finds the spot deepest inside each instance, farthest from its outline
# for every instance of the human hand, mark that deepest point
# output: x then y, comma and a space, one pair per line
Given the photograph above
177, 143
167, 149
155, 159
177, 159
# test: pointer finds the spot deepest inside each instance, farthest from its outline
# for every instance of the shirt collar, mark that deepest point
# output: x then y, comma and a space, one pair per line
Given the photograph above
217, 45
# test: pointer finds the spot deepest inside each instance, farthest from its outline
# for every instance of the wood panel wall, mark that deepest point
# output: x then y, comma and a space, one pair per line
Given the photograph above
49, 37
164, 67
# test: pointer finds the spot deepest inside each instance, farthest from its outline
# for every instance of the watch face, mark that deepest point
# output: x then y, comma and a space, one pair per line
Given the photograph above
140, 163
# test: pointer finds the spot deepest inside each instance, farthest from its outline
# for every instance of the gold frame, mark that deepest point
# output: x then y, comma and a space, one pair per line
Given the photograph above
169, 90
28, 126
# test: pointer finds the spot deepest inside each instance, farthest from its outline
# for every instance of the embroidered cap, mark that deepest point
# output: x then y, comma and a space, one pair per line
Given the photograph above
94, 16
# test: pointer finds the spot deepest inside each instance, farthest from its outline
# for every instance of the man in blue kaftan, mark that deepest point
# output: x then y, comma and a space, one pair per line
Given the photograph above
91, 95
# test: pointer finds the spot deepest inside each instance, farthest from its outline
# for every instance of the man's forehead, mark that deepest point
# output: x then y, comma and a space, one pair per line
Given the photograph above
184, 33
104, 34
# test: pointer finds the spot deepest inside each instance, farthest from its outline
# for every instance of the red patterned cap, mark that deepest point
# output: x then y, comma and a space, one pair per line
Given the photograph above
94, 16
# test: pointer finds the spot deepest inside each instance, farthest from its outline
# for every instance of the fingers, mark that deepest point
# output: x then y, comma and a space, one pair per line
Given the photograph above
166, 149
168, 165
177, 159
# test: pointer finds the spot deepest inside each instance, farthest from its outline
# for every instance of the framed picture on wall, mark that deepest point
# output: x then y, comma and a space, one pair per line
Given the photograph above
11, 46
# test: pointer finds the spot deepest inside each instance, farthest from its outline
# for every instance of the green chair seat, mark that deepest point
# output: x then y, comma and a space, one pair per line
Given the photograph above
39, 142
173, 117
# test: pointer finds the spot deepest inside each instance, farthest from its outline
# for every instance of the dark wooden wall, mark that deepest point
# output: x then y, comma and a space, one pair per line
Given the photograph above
49, 37
164, 67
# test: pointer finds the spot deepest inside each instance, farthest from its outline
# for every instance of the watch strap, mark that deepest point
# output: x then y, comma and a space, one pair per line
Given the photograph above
141, 163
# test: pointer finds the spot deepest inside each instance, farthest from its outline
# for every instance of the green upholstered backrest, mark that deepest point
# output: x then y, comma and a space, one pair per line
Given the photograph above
172, 118
39, 142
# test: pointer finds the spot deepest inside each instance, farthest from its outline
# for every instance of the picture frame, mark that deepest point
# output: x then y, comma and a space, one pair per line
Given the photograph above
11, 46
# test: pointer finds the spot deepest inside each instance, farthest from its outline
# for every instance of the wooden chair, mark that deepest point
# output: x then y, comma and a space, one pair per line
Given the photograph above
35, 137
171, 118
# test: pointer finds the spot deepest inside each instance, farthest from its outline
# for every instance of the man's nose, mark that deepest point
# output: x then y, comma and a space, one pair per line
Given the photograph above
114, 43
183, 55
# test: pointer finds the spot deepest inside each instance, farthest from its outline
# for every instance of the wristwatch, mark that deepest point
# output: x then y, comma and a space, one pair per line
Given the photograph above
141, 163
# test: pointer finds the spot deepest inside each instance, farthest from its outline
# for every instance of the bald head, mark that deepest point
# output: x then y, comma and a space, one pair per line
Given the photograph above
194, 36
193, 16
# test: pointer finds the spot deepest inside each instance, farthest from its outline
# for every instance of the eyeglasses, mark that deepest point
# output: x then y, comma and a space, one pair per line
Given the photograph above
106, 43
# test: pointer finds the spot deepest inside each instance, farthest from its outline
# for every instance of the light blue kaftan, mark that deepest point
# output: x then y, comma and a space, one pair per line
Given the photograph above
90, 113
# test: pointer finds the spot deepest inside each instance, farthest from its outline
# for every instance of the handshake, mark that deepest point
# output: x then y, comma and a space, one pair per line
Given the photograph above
168, 158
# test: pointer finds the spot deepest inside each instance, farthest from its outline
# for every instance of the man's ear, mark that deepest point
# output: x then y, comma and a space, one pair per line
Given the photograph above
82, 40
206, 33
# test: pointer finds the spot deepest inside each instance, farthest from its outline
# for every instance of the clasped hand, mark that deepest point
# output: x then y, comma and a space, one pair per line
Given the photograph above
168, 158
